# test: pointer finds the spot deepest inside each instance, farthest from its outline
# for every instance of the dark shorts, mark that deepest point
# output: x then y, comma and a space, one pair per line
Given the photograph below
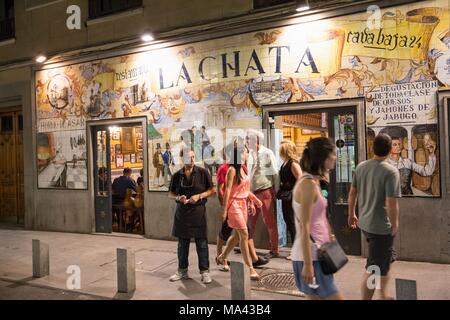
225, 231
381, 251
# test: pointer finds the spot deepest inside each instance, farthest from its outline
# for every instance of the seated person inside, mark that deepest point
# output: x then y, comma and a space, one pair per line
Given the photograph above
120, 186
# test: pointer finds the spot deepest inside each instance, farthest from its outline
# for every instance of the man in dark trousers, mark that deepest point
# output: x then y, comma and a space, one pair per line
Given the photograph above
189, 187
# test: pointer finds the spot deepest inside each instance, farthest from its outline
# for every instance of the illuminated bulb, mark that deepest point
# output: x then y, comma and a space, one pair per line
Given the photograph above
303, 6
41, 58
147, 37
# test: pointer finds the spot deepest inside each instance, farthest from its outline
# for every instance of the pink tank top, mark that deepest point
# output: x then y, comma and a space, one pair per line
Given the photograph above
319, 223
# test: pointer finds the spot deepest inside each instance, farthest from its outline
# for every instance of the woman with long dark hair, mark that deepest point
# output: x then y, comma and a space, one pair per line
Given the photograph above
237, 193
313, 229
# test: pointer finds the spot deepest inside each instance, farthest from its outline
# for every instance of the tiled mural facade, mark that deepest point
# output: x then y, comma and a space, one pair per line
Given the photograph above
221, 84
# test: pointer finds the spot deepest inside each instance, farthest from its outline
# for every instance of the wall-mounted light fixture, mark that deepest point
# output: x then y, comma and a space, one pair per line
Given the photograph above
302, 5
40, 58
147, 37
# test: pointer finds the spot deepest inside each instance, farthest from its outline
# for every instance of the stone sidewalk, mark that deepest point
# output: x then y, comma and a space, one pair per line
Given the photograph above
156, 261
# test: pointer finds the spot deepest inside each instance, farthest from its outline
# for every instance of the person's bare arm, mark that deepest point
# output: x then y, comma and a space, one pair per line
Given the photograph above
296, 170
254, 199
219, 193
208, 193
307, 196
203, 195
226, 198
393, 213
352, 218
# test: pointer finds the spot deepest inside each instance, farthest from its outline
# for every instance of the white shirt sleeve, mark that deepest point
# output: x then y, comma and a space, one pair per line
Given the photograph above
426, 170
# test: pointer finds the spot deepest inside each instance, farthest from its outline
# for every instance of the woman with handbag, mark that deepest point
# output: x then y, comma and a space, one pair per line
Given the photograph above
290, 171
313, 230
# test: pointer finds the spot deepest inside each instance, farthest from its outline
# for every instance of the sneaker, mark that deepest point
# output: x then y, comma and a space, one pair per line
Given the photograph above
260, 262
206, 278
179, 276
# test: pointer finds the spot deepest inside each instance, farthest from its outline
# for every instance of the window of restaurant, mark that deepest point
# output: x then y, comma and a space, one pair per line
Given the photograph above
101, 8
6, 19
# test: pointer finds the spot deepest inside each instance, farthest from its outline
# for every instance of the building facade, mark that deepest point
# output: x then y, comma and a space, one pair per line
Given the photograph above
104, 99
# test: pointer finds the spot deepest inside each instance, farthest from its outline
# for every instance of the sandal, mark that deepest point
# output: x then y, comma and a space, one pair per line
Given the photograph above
225, 267
224, 262
254, 275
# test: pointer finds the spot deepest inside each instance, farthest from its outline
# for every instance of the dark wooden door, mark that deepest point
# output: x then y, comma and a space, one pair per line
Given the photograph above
11, 167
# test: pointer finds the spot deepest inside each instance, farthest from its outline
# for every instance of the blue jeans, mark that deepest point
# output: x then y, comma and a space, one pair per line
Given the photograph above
202, 253
326, 283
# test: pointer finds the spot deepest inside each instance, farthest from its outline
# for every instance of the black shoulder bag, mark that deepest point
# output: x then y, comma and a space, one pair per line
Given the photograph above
284, 195
331, 257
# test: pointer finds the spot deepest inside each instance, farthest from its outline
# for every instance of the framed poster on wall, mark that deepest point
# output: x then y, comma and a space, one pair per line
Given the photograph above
139, 145
138, 133
119, 160
413, 126
115, 135
128, 140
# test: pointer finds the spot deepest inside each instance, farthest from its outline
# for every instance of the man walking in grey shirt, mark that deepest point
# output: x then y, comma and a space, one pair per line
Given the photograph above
376, 189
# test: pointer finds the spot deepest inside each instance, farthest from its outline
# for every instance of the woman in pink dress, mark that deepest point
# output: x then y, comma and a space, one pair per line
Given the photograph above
237, 193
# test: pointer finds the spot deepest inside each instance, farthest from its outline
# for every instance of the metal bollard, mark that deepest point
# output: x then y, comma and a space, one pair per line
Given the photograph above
240, 281
405, 289
126, 272
41, 259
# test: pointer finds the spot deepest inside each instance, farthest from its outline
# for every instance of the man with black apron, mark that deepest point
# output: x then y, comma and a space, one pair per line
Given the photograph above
189, 187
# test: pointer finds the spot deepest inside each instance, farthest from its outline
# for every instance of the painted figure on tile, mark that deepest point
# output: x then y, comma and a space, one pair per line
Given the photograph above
407, 166
126, 107
196, 138
158, 163
169, 163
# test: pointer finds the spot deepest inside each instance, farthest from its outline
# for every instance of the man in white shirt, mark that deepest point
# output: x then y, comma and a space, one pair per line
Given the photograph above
263, 171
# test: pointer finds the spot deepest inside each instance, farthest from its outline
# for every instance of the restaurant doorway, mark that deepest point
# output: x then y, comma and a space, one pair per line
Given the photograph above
341, 125
119, 176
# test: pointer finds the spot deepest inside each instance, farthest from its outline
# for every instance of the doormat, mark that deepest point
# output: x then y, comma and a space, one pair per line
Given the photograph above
277, 281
